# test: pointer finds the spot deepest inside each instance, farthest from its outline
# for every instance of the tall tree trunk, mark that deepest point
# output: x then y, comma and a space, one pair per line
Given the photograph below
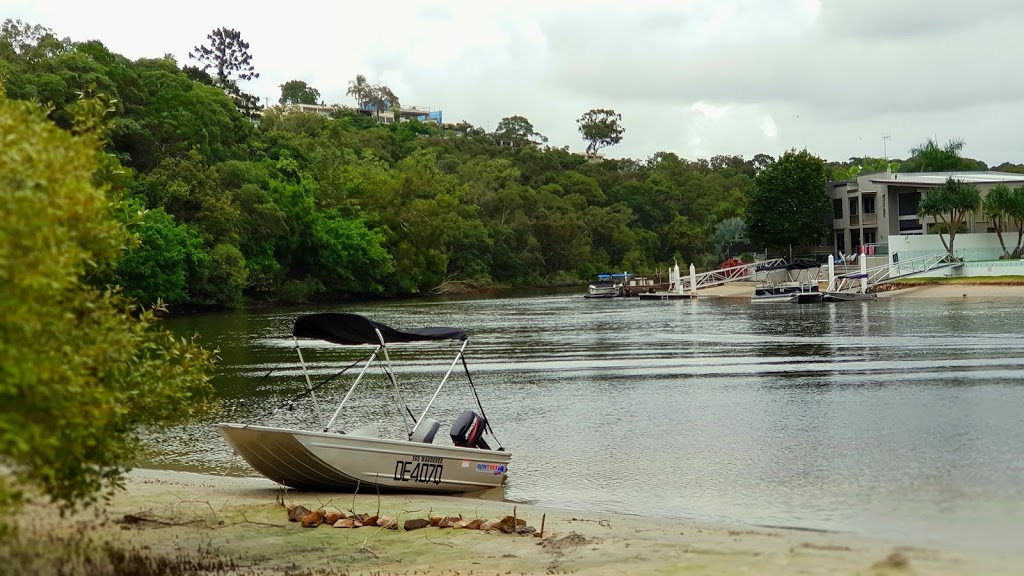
949, 230
1019, 222
997, 223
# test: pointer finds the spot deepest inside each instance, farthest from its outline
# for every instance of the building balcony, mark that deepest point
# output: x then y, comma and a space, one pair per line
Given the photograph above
854, 220
869, 219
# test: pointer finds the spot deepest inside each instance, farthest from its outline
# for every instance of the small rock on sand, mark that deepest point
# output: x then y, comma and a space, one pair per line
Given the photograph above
313, 519
416, 524
447, 522
297, 513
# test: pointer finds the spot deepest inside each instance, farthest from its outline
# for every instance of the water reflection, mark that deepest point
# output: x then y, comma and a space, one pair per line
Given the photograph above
898, 418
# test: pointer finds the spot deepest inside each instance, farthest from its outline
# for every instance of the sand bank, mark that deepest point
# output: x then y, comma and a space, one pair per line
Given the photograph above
241, 523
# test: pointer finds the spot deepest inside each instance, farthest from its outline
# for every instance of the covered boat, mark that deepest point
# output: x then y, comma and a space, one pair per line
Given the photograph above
797, 287
337, 459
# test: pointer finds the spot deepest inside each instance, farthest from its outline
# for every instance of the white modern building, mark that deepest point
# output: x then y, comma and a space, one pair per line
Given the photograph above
878, 208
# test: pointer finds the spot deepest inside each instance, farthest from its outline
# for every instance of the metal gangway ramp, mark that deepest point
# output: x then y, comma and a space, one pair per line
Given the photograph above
690, 284
868, 277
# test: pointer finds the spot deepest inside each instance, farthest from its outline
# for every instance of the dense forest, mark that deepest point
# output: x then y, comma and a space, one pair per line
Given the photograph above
231, 204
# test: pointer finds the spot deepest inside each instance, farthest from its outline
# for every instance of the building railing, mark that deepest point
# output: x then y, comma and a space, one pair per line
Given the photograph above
967, 254
867, 219
854, 220
876, 249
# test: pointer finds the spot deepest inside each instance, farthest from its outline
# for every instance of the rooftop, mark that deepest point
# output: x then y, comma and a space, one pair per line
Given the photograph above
938, 178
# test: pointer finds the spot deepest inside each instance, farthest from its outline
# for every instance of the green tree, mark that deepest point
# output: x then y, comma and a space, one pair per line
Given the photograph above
600, 128
228, 55
221, 278
1015, 216
81, 369
727, 232
788, 205
359, 89
950, 204
382, 98
158, 268
997, 206
517, 131
298, 92
931, 157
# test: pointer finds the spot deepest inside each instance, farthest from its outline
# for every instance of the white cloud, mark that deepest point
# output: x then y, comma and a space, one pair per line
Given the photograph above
693, 77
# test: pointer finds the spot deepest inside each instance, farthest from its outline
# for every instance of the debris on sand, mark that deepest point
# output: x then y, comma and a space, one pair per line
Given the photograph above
570, 540
896, 561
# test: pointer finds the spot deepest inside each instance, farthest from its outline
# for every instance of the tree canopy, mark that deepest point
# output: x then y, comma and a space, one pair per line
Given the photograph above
600, 128
228, 55
298, 92
950, 204
929, 156
788, 205
517, 131
81, 367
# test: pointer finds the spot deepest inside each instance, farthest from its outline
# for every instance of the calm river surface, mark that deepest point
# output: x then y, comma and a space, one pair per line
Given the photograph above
892, 418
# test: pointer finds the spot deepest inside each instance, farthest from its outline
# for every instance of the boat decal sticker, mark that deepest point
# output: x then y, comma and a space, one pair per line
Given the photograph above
465, 463
496, 469
422, 469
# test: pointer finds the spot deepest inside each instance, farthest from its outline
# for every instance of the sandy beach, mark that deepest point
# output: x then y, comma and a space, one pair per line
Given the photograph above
232, 525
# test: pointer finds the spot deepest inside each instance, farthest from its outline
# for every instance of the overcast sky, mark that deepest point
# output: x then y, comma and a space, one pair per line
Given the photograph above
694, 77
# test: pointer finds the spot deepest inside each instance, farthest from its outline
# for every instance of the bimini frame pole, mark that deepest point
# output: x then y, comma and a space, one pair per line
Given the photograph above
441, 385
309, 384
406, 414
351, 388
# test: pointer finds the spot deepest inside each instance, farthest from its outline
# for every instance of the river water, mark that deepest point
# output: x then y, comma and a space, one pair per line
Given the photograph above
894, 418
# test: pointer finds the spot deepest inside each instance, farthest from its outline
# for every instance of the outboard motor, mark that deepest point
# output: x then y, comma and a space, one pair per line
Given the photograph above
468, 431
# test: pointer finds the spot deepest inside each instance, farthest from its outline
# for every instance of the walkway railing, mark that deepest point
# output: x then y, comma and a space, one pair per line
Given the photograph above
718, 277
867, 277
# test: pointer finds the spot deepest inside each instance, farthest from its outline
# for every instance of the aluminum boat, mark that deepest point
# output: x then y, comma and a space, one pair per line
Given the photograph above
333, 458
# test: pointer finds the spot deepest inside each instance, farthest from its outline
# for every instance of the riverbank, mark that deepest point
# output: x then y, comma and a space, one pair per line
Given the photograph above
209, 524
915, 290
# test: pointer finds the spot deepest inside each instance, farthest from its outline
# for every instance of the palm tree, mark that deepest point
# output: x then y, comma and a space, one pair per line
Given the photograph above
997, 208
930, 157
950, 204
727, 232
359, 89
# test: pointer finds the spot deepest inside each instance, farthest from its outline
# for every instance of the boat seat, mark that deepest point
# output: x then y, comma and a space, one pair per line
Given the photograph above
425, 431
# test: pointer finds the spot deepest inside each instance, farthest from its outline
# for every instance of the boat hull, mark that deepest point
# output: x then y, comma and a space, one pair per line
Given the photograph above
787, 294
345, 462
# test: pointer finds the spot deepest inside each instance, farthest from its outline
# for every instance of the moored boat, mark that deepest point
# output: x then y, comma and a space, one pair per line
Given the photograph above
607, 285
793, 290
338, 459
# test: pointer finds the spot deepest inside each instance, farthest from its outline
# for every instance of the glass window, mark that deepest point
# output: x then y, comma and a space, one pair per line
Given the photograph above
853, 206
837, 209
910, 225
841, 241
869, 204
908, 203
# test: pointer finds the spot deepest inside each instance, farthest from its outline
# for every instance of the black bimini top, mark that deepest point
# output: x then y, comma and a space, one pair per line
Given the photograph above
353, 329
